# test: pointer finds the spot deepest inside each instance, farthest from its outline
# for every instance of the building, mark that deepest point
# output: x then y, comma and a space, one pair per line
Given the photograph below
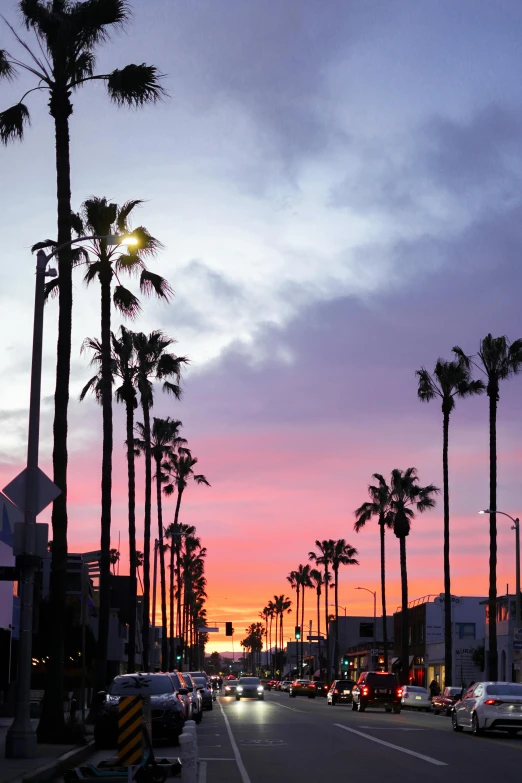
360, 644
508, 660
9, 601
426, 639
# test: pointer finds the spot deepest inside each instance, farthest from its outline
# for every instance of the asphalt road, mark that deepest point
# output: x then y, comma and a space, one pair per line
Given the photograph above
283, 740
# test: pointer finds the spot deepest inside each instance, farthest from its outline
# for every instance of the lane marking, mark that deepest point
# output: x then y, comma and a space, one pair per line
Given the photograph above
287, 708
242, 769
421, 756
389, 728
215, 759
202, 776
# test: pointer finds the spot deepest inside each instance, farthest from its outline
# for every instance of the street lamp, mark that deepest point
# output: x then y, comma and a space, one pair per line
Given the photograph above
516, 527
374, 593
21, 738
340, 607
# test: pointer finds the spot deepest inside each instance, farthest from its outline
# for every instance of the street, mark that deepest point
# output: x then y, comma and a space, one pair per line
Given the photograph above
293, 740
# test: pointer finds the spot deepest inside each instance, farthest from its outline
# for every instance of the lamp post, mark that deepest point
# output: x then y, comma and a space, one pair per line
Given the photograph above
340, 607
20, 740
516, 527
374, 593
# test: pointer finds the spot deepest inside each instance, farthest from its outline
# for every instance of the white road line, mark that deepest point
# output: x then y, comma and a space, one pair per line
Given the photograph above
429, 759
202, 776
215, 759
242, 769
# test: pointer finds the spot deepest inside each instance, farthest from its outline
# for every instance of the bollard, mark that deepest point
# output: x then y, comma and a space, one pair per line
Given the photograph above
188, 758
130, 730
190, 728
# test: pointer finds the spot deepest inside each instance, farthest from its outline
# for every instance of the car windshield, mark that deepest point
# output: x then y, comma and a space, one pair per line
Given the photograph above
249, 681
504, 689
231, 682
415, 689
138, 685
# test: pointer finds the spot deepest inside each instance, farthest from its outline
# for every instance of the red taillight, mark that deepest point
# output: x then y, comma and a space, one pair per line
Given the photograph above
492, 701
365, 691
336, 691
399, 693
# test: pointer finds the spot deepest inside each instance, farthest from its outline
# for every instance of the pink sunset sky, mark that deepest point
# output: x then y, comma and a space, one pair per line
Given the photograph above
338, 190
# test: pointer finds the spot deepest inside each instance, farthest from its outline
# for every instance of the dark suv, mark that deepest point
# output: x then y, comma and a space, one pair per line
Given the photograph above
377, 689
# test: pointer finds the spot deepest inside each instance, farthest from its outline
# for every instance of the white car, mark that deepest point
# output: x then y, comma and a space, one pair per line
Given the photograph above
489, 706
416, 698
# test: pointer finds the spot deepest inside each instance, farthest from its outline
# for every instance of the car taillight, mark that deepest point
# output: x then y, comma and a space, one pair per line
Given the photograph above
406, 695
399, 691
365, 691
492, 701
336, 691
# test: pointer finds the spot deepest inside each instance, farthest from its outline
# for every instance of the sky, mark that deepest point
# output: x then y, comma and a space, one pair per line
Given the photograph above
338, 188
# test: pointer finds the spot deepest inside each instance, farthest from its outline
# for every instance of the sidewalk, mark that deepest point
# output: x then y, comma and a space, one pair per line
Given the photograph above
51, 759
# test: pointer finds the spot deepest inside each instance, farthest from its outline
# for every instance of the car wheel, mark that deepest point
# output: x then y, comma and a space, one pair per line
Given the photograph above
333, 702
397, 709
436, 712
354, 706
475, 728
454, 722
199, 717
362, 706
448, 713
387, 709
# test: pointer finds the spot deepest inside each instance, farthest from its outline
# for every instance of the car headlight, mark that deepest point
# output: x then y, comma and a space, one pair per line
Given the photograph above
260, 688
112, 699
239, 688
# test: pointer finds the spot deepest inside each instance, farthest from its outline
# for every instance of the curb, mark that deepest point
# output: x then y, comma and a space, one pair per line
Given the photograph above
48, 771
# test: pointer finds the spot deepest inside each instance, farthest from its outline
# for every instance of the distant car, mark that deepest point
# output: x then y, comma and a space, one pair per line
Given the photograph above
321, 688
285, 685
269, 685
203, 686
446, 700
230, 687
167, 707
489, 706
416, 698
340, 692
249, 688
377, 689
197, 699
302, 688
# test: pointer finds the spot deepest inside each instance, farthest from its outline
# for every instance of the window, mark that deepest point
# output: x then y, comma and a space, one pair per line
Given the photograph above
465, 630
479, 690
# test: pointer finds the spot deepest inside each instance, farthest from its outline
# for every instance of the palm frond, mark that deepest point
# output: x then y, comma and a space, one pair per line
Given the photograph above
52, 289
135, 85
13, 122
42, 245
173, 388
128, 263
94, 345
427, 389
125, 301
151, 283
93, 385
99, 215
77, 224
124, 213
93, 270
147, 245
82, 67
39, 17
89, 21
7, 69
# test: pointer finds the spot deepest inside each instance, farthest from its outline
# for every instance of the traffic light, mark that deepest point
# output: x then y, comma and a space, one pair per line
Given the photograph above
346, 662
297, 631
228, 629
178, 653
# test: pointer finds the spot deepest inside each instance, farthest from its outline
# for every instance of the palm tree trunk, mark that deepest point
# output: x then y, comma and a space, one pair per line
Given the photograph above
492, 603
178, 562
302, 630
448, 644
106, 483
51, 727
271, 660
172, 663
327, 625
319, 627
336, 600
383, 593
131, 474
405, 652
163, 577
146, 537
297, 590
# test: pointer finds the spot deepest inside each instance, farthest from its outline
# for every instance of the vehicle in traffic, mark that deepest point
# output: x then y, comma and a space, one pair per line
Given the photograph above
446, 700
230, 687
249, 688
285, 686
340, 692
302, 688
167, 707
489, 706
195, 695
416, 698
203, 686
377, 689
321, 688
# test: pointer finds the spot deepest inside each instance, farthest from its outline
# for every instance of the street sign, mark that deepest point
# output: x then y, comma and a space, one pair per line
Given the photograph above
16, 490
9, 573
203, 629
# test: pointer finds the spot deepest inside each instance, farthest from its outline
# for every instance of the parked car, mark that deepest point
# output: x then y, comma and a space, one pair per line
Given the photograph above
167, 707
416, 698
302, 688
321, 688
197, 699
249, 688
203, 686
488, 706
340, 691
446, 700
377, 689
230, 687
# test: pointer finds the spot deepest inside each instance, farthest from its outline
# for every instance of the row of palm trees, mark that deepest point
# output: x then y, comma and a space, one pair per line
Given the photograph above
62, 59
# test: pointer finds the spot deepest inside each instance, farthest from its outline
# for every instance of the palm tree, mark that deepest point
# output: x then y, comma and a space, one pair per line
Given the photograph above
164, 439
271, 609
304, 577
63, 60
114, 556
324, 558
101, 218
296, 583
175, 532
317, 581
406, 497
282, 606
154, 362
342, 554
379, 507
449, 380
180, 467
265, 615
498, 361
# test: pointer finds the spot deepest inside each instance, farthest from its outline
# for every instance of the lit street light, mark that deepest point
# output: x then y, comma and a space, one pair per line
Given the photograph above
33, 491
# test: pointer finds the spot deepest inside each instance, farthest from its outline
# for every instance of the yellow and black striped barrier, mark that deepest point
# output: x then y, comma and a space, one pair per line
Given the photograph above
130, 730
